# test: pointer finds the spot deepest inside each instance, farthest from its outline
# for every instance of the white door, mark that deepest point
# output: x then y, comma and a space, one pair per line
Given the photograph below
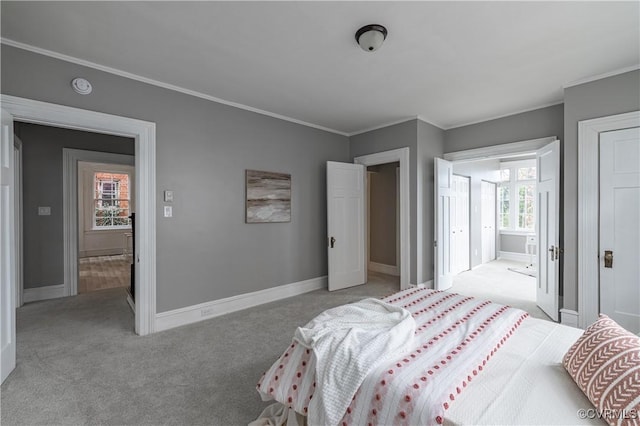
547, 227
443, 194
7, 241
620, 227
460, 223
488, 220
345, 225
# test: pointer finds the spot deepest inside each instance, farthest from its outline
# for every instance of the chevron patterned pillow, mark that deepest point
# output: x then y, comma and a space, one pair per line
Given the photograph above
605, 363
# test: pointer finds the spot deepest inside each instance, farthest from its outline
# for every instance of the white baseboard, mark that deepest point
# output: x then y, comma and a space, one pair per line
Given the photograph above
42, 293
100, 252
426, 284
203, 311
569, 317
384, 269
131, 303
518, 257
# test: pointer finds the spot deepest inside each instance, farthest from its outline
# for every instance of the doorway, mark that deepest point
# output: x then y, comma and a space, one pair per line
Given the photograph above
383, 248
503, 208
617, 177
106, 202
143, 134
400, 157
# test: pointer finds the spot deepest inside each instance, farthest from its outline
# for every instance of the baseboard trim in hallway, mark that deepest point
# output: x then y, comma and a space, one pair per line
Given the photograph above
42, 293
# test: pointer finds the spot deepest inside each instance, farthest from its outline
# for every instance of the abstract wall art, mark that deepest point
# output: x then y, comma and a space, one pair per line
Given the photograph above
268, 197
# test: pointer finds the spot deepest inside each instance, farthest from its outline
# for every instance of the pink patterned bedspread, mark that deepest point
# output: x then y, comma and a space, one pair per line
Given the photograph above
455, 338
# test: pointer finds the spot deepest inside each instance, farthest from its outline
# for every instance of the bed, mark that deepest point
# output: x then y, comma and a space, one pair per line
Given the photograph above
470, 362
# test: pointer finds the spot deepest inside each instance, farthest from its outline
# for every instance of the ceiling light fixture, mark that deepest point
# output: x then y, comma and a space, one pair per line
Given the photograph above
81, 85
371, 37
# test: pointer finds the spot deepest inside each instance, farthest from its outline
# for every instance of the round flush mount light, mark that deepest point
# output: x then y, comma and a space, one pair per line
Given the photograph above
370, 37
81, 86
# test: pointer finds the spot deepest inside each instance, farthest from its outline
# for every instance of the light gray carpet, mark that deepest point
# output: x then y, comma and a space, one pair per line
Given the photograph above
494, 281
79, 362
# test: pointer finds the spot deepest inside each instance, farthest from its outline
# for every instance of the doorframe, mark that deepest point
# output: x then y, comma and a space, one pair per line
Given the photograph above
144, 134
400, 155
497, 151
17, 182
496, 232
589, 209
70, 158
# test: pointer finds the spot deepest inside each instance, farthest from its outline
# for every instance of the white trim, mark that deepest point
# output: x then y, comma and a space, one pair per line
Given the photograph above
131, 303
18, 221
569, 317
144, 133
115, 251
384, 269
43, 293
522, 233
204, 311
518, 257
382, 126
157, 83
601, 76
516, 164
70, 158
401, 155
496, 117
426, 284
497, 151
588, 208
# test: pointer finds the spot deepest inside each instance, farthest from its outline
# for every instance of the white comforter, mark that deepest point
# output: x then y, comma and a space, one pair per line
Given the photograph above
348, 342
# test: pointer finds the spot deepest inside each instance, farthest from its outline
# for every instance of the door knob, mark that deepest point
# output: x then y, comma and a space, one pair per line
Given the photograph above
552, 250
608, 259
332, 241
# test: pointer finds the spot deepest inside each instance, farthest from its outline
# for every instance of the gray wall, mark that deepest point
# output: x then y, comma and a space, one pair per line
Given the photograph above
430, 145
609, 96
513, 243
534, 124
382, 213
206, 251
385, 139
425, 142
477, 171
42, 186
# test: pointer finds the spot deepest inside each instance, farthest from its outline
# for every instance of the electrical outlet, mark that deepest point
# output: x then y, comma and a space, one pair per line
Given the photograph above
168, 211
44, 211
168, 196
207, 312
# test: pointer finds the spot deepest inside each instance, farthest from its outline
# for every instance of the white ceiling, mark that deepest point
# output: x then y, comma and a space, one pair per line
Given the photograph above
449, 63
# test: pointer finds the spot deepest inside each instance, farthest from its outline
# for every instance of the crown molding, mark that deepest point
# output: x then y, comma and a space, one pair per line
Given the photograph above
505, 115
131, 76
382, 126
601, 76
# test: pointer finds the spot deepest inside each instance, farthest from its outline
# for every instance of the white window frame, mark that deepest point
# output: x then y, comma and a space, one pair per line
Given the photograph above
514, 185
94, 199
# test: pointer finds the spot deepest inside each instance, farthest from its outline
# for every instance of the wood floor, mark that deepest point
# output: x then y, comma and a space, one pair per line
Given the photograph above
102, 272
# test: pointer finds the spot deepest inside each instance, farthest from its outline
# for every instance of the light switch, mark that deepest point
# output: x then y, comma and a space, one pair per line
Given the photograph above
168, 211
168, 196
44, 211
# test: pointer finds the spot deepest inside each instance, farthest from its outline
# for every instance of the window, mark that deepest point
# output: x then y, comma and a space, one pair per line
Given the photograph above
516, 196
111, 200
503, 207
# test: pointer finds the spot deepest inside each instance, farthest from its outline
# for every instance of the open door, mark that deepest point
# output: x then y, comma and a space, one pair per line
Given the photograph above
7, 241
443, 275
345, 225
547, 227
